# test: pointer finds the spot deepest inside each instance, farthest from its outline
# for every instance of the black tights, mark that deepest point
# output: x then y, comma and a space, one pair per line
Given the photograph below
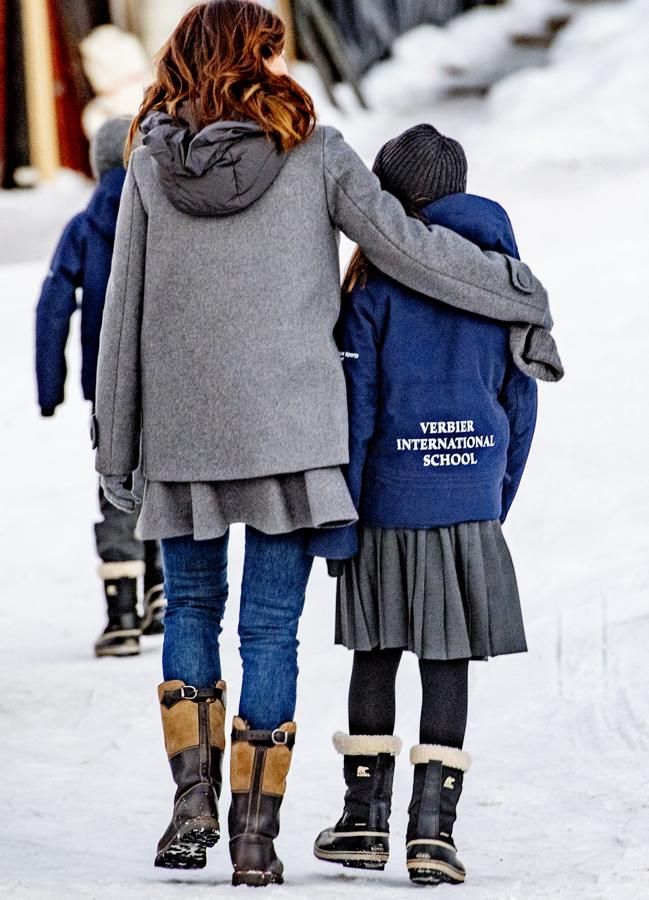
444, 697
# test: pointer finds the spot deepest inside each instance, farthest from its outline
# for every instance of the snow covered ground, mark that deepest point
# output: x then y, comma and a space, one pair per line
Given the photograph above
557, 802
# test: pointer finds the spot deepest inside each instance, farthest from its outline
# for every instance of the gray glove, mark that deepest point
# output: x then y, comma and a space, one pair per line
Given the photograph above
124, 491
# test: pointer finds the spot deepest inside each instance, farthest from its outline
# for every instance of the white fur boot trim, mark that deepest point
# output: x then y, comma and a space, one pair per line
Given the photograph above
112, 571
448, 756
366, 744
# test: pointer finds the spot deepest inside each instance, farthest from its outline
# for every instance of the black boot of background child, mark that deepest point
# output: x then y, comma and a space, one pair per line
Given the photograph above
361, 837
430, 850
154, 597
121, 637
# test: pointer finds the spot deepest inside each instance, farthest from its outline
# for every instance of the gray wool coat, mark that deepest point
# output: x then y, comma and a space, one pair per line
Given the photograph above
217, 355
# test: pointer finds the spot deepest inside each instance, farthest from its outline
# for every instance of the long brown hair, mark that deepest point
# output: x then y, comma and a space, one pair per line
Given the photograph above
357, 271
215, 62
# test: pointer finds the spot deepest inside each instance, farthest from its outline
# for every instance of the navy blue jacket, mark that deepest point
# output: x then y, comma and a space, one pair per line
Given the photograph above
441, 420
82, 260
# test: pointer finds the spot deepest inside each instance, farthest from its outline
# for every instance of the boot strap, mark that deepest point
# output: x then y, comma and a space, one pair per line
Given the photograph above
187, 692
276, 738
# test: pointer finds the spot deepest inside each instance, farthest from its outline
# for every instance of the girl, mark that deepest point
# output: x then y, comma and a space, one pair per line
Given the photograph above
217, 359
441, 423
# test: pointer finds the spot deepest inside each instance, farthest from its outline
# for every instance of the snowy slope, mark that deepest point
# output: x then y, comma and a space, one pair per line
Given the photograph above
556, 804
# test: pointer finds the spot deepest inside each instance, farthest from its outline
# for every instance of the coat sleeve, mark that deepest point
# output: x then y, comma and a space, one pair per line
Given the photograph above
434, 261
55, 307
118, 404
357, 337
519, 398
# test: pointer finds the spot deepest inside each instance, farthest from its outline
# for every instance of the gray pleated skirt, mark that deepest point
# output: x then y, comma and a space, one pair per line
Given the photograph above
278, 504
443, 593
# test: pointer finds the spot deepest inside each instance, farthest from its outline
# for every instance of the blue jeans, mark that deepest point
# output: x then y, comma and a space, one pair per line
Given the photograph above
275, 575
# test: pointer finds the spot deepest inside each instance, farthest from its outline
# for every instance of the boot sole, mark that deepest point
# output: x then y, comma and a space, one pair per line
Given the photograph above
353, 860
188, 849
434, 873
130, 647
152, 621
256, 879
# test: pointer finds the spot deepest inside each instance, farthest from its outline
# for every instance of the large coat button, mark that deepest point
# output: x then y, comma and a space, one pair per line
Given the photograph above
523, 278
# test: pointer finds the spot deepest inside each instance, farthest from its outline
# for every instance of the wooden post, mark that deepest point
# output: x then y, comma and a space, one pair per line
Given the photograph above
4, 124
41, 108
73, 146
120, 14
286, 12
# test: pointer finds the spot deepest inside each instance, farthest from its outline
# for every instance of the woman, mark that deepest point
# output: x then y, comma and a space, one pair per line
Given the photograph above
218, 360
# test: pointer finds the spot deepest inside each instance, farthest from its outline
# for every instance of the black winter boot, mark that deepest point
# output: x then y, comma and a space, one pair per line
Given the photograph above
259, 764
430, 851
154, 591
121, 637
361, 837
193, 722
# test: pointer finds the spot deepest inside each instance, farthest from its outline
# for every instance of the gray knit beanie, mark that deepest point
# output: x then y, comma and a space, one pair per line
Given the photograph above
107, 151
421, 166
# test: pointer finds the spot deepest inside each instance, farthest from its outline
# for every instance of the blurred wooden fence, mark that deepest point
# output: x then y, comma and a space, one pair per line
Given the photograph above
43, 88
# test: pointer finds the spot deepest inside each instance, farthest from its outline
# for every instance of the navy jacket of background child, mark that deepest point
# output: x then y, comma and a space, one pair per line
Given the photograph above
441, 420
82, 260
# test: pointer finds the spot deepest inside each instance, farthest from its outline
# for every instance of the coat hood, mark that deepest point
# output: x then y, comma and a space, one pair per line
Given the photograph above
107, 146
218, 171
481, 221
104, 203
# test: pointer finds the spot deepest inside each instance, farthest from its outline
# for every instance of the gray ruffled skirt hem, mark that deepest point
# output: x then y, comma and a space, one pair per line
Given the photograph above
442, 593
279, 504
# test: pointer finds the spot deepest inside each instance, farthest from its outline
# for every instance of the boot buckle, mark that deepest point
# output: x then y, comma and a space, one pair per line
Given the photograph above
279, 737
185, 696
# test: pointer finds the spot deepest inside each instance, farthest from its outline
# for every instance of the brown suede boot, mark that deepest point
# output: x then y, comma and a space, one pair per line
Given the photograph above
193, 722
259, 764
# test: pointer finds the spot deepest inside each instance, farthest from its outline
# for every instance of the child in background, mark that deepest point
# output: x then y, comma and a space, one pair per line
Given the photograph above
441, 424
82, 262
